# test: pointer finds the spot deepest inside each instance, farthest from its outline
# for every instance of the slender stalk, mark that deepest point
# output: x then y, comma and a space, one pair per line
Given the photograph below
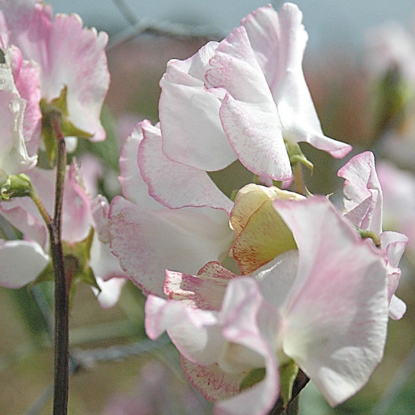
61, 334
299, 178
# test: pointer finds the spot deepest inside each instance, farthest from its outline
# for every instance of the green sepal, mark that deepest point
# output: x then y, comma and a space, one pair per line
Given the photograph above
288, 374
365, 234
297, 156
252, 378
16, 185
77, 269
59, 107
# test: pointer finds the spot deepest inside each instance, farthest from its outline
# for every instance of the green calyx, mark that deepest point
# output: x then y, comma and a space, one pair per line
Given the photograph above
252, 378
18, 185
57, 107
77, 268
288, 374
297, 156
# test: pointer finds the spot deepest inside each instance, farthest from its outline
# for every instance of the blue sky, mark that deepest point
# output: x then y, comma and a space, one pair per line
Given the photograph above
329, 22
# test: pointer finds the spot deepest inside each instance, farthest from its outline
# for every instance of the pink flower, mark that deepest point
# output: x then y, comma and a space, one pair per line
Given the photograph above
148, 237
14, 157
67, 54
364, 208
80, 215
242, 97
313, 306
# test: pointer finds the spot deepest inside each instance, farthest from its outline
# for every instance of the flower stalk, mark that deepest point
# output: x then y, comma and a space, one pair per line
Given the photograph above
61, 334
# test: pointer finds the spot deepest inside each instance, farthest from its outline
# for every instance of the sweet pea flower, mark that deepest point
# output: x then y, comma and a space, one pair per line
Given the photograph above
14, 157
80, 215
242, 98
68, 55
148, 236
323, 306
364, 208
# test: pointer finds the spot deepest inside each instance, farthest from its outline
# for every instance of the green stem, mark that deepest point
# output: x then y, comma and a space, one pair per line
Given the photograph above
299, 178
61, 362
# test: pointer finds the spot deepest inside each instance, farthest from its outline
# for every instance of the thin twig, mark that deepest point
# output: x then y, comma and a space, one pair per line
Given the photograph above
167, 29
125, 11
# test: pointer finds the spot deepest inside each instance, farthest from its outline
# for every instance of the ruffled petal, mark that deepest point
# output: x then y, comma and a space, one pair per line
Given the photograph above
173, 184
364, 203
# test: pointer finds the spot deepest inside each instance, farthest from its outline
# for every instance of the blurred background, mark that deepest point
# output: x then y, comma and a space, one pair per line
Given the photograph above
360, 67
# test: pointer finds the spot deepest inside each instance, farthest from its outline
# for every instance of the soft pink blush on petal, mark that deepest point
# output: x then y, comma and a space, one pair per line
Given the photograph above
189, 115
361, 186
279, 41
148, 242
26, 78
77, 214
248, 113
68, 55
336, 318
21, 262
173, 184
134, 188
204, 290
249, 322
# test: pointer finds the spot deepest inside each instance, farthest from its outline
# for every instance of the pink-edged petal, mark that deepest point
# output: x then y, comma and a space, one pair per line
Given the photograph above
394, 245
21, 262
134, 188
279, 41
173, 184
336, 319
252, 324
26, 78
194, 332
76, 215
67, 54
189, 115
204, 290
148, 242
248, 113
364, 203
215, 384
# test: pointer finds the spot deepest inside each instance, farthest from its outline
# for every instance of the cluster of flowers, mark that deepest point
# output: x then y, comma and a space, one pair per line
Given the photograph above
51, 64
250, 287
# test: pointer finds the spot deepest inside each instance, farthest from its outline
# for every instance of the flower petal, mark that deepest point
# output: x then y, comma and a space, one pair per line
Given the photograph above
337, 315
191, 132
173, 184
148, 242
21, 262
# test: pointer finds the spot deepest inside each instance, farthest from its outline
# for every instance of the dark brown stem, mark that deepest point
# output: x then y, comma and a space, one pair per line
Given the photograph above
61, 337
293, 407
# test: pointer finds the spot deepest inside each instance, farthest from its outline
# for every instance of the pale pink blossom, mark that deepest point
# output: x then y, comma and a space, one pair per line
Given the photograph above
323, 306
364, 208
148, 237
80, 215
67, 54
14, 156
242, 97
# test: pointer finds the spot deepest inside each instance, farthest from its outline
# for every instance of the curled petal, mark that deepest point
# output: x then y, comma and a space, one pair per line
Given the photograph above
173, 184
364, 203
